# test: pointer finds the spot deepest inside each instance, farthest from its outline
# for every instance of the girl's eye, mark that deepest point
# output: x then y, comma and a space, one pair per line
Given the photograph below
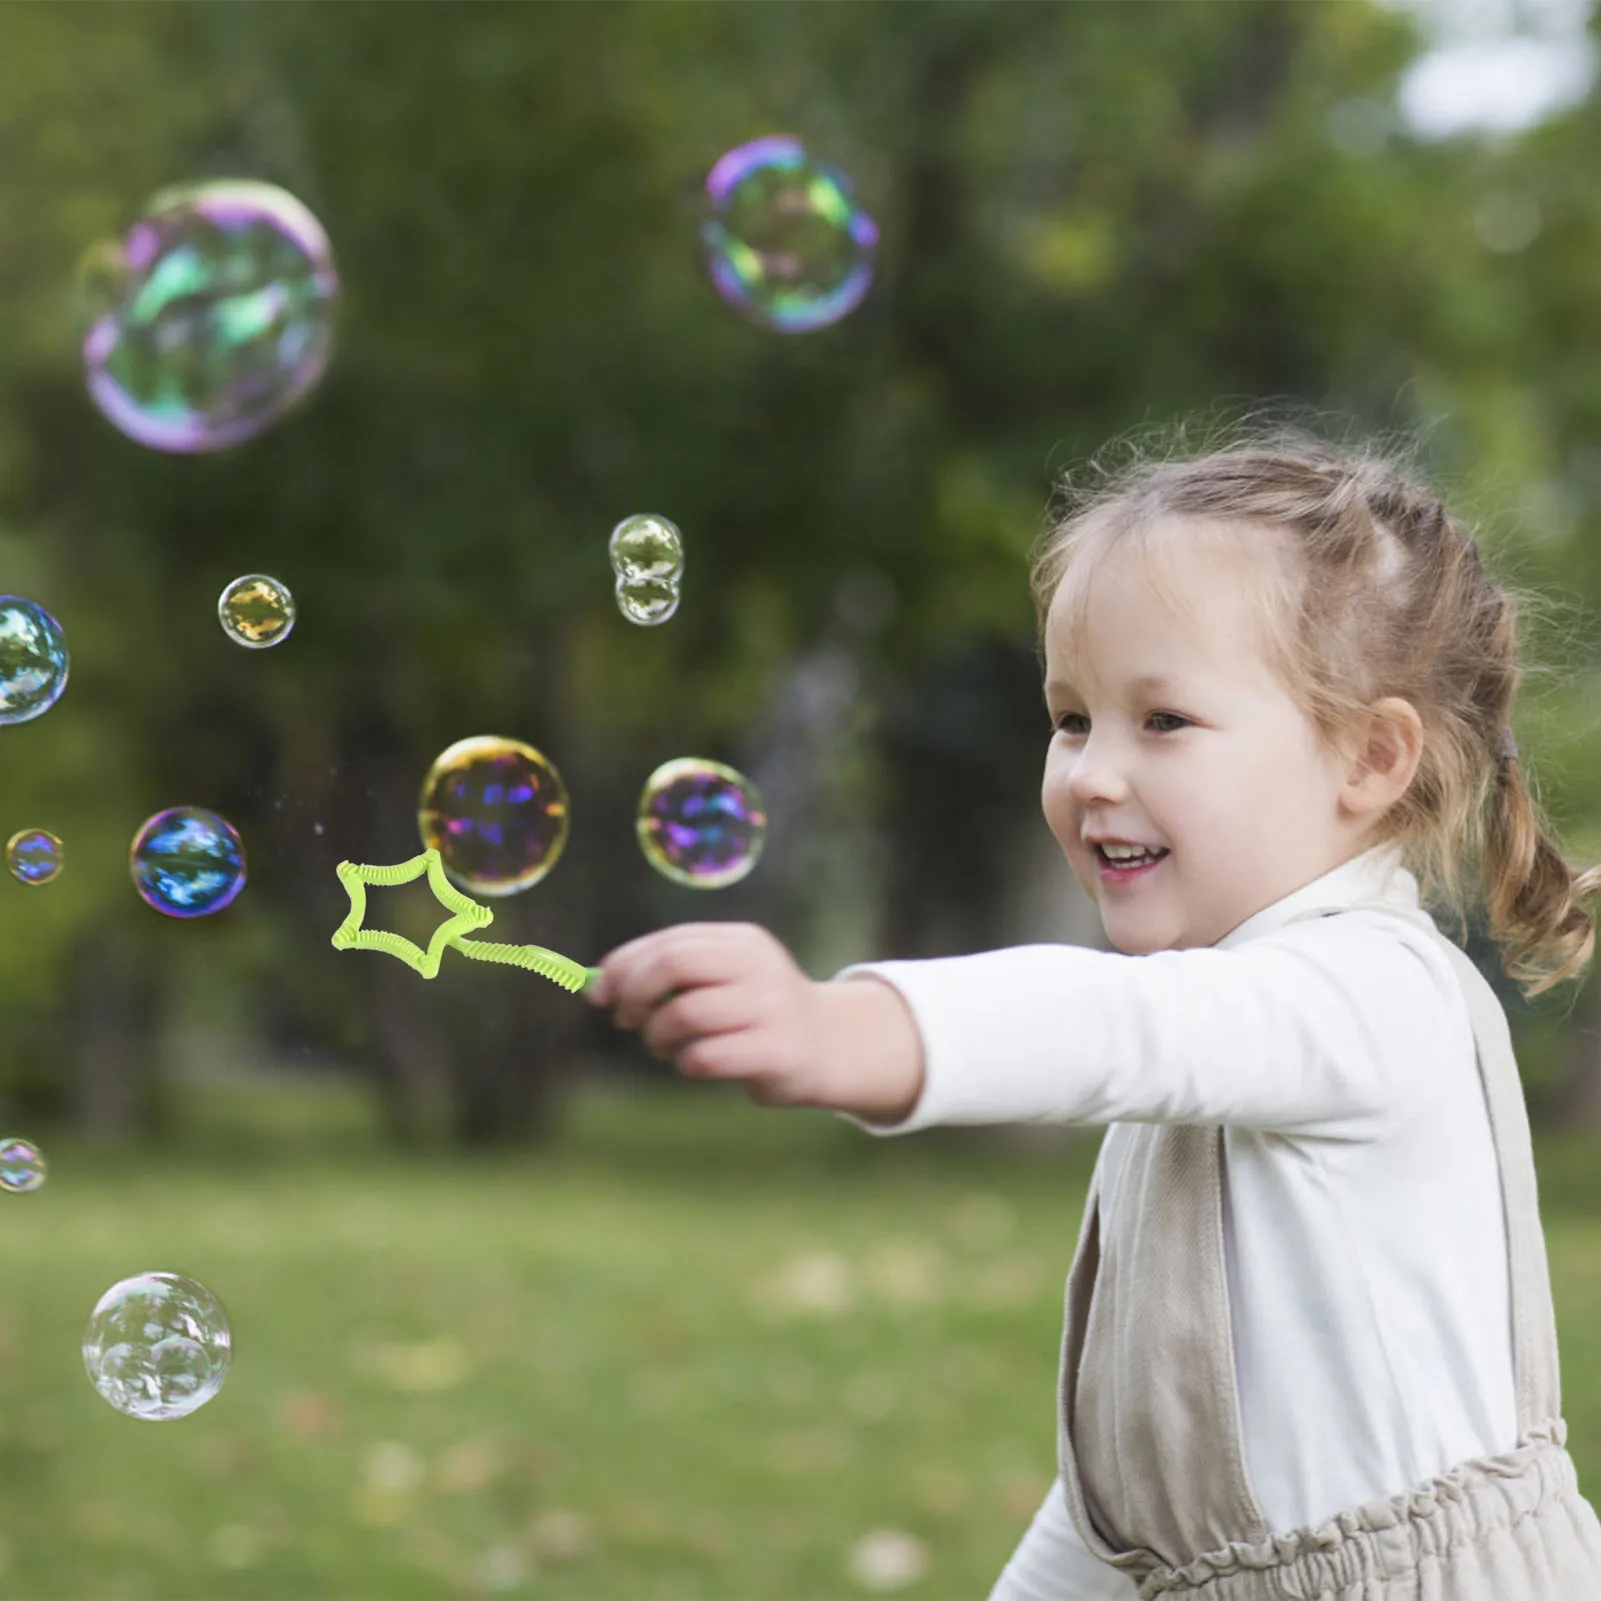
1070, 717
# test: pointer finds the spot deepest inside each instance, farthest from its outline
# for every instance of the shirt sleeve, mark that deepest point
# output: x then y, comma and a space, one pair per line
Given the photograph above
1319, 1030
1051, 1563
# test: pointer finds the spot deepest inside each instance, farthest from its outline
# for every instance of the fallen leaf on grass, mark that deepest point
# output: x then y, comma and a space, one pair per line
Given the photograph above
888, 1559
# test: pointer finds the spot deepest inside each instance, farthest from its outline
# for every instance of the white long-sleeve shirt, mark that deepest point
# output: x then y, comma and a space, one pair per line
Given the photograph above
1363, 1223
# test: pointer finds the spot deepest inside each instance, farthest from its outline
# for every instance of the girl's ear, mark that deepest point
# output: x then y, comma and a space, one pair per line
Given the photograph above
1387, 757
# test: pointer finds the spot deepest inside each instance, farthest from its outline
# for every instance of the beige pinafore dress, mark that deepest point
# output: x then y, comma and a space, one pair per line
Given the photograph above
1150, 1437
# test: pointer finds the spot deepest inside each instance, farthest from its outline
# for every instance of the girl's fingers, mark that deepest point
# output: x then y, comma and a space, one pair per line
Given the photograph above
647, 972
737, 1054
616, 963
709, 1011
625, 958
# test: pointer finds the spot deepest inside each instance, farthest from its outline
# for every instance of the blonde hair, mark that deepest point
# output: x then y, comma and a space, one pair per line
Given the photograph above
1368, 588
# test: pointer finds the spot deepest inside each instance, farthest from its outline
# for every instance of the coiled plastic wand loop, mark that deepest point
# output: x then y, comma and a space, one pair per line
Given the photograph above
466, 915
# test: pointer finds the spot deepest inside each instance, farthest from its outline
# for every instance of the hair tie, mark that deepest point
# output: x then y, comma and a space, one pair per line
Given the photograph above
1507, 750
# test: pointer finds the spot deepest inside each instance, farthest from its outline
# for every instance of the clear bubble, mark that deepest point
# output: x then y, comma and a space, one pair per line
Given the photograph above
647, 554
647, 547
33, 660
786, 245
22, 1166
700, 823
256, 611
157, 1346
212, 316
34, 855
496, 811
647, 601
187, 862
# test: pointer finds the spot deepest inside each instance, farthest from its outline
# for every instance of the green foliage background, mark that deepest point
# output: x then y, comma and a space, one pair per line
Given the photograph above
1094, 217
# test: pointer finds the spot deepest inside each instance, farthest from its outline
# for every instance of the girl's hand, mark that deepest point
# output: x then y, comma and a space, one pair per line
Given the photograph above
726, 1000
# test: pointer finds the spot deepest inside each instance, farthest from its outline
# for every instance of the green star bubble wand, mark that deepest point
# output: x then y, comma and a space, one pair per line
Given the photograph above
467, 915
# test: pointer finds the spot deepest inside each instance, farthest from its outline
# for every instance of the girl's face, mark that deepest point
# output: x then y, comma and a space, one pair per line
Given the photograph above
1215, 762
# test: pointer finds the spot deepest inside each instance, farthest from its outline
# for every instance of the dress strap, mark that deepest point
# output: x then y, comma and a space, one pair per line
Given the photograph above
1534, 1332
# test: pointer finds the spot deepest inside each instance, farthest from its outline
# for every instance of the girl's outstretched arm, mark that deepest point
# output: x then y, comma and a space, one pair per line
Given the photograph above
727, 1000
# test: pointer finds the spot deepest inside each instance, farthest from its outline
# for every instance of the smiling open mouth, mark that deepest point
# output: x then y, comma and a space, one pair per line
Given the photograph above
1118, 872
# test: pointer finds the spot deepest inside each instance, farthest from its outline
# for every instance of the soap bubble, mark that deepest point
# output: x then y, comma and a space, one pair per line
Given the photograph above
157, 1346
496, 811
647, 554
33, 660
700, 823
647, 547
34, 855
214, 315
647, 601
256, 611
22, 1166
187, 862
785, 244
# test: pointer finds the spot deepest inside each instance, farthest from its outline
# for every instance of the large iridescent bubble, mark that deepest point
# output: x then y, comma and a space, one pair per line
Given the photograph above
157, 1346
34, 855
496, 811
187, 862
786, 245
211, 317
33, 660
700, 823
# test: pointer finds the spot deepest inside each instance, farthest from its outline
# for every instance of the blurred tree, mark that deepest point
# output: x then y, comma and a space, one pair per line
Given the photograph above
1091, 216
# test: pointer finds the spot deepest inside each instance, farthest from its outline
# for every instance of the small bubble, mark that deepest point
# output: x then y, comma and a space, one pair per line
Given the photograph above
647, 547
647, 601
34, 856
22, 1166
256, 611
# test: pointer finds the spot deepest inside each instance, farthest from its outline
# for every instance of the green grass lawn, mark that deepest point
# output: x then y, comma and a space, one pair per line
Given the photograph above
705, 1349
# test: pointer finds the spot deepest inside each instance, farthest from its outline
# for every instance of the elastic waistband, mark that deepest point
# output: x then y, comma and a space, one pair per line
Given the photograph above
1381, 1539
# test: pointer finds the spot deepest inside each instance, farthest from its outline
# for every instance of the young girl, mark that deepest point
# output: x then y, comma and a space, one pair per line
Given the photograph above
1309, 1348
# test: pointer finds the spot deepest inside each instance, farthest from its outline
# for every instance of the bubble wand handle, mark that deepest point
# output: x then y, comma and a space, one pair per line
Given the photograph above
563, 970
